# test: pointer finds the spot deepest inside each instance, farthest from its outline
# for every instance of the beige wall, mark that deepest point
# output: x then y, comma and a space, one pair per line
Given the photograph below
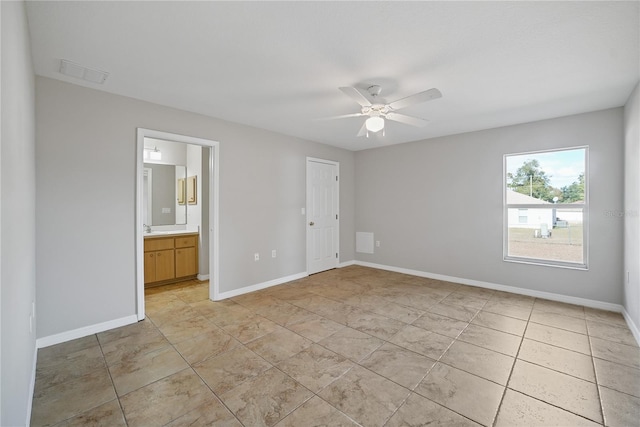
86, 142
17, 224
436, 205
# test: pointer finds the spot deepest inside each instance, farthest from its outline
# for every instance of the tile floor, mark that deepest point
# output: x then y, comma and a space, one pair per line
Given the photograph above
347, 347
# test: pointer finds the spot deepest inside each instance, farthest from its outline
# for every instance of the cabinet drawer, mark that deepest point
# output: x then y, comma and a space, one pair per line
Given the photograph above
158, 244
186, 241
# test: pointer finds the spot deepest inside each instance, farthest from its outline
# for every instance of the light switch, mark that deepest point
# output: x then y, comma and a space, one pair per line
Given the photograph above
166, 210
302, 211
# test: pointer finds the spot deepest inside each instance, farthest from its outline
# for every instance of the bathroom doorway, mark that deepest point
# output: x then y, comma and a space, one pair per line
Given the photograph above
185, 202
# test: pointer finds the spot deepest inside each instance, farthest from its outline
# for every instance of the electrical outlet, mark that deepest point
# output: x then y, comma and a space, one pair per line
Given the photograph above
256, 256
273, 253
377, 243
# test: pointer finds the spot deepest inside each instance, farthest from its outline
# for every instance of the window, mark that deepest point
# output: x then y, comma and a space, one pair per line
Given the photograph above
522, 216
546, 207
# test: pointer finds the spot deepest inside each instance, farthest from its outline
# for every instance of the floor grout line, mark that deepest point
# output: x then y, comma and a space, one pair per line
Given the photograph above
515, 359
595, 376
113, 384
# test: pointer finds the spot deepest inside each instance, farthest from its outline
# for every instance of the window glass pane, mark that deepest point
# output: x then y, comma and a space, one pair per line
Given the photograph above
545, 206
552, 176
549, 234
523, 217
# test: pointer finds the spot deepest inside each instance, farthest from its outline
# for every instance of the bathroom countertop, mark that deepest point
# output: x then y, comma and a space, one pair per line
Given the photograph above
160, 234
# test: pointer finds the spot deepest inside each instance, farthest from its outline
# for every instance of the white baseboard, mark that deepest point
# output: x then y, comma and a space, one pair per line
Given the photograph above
634, 328
84, 331
260, 286
346, 264
268, 284
203, 277
512, 289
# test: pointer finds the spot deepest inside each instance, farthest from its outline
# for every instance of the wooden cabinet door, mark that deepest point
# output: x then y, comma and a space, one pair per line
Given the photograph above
186, 262
165, 265
149, 267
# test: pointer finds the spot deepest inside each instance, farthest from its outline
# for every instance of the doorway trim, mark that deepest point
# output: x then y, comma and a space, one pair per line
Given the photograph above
307, 206
214, 194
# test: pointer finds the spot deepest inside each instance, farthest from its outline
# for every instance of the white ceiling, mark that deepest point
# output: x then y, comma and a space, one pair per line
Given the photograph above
278, 65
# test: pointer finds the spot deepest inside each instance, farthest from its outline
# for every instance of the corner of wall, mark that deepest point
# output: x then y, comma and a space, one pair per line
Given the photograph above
635, 330
18, 225
631, 272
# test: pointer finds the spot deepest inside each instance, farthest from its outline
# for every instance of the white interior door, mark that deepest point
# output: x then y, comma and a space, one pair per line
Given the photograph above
322, 215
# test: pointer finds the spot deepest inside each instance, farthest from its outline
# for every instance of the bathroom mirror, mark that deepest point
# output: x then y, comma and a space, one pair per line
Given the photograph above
163, 198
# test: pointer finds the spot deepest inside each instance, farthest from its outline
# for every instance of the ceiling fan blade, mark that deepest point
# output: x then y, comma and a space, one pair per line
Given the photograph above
363, 130
417, 98
408, 120
343, 116
356, 95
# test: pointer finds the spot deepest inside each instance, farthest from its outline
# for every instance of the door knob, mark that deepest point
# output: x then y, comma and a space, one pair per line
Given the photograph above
312, 223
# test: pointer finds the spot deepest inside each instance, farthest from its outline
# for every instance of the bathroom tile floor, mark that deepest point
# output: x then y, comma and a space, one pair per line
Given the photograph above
347, 347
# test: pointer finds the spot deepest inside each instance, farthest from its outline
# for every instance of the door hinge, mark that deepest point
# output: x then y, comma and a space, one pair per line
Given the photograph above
336, 216
336, 254
336, 177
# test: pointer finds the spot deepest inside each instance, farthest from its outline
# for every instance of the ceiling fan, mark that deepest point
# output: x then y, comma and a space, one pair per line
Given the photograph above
378, 112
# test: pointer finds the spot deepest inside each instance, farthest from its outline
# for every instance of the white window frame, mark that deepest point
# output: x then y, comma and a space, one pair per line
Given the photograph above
585, 214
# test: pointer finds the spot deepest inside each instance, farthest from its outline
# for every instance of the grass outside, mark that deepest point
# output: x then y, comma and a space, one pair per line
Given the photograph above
565, 244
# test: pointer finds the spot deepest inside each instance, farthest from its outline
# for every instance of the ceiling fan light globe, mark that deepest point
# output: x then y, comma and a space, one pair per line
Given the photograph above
375, 124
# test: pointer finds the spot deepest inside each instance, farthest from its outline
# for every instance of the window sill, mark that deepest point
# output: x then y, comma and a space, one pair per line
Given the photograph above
547, 263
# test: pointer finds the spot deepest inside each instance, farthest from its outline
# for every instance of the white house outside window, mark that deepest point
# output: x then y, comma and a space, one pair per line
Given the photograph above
546, 207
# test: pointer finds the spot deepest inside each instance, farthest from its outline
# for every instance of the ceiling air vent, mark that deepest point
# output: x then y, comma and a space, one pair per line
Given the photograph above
78, 71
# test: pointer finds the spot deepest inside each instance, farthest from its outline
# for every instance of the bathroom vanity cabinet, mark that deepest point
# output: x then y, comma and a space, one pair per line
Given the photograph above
169, 259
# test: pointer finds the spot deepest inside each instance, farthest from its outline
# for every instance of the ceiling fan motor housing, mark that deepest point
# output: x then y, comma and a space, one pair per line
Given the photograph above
374, 90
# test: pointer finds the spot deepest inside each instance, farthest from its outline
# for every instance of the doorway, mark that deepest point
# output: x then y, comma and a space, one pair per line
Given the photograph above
209, 221
322, 215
